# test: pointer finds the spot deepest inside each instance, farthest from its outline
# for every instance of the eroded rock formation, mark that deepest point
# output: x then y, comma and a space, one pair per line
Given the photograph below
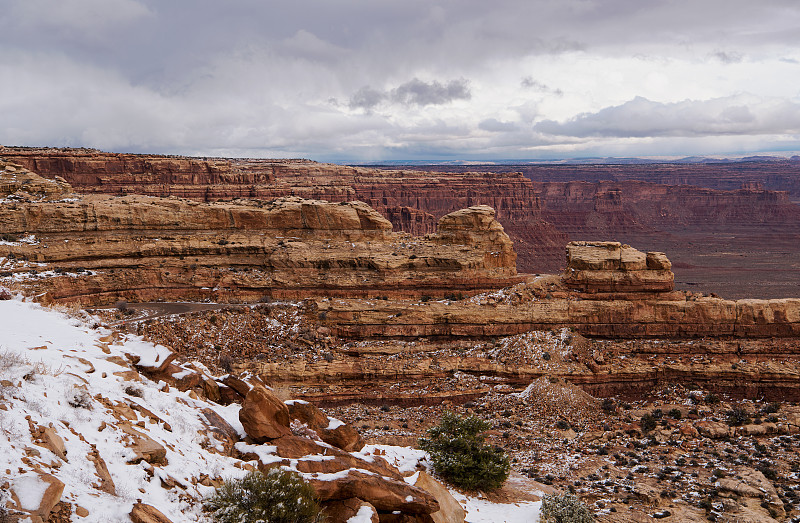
144, 248
413, 201
608, 290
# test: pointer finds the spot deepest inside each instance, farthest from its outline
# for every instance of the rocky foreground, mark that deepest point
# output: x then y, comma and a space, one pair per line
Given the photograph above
98, 426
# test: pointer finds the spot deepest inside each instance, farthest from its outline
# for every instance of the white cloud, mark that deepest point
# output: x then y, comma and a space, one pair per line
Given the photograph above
385, 79
640, 117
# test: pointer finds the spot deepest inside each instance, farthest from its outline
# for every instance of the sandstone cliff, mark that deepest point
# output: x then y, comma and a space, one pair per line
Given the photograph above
608, 290
411, 200
104, 248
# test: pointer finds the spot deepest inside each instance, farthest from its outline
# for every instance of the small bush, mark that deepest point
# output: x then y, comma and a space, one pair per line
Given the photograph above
461, 457
711, 398
136, 392
648, 423
608, 406
279, 496
737, 417
675, 413
565, 508
80, 400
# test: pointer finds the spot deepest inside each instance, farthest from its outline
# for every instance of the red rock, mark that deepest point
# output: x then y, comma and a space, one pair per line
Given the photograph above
330, 431
340, 511
144, 513
264, 416
385, 494
450, 510
50, 496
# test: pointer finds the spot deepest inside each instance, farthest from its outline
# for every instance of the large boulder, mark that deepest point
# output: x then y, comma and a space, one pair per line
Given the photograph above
264, 416
385, 494
144, 513
347, 510
450, 510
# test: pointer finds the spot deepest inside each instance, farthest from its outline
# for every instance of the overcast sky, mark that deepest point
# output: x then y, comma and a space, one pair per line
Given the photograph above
357, 81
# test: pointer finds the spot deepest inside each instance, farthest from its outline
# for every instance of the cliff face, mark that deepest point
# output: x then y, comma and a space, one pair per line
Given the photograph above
411, 200
579, 208
608, 290
773, 175
142, 248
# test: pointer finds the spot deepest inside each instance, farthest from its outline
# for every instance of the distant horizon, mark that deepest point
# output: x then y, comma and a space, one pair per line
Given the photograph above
709, 158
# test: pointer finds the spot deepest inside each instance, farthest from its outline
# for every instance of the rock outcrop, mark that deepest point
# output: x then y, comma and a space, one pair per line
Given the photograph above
611, 267
608, 290
413, 201
142, 248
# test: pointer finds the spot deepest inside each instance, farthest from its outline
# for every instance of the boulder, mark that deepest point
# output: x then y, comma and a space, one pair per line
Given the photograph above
330, 430
264, 416
385, 494
146, 448
713, 429
53, 442
144, 513
450, 510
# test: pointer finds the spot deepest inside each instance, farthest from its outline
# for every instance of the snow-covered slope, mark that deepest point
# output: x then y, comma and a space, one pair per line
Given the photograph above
75, 413
57, 372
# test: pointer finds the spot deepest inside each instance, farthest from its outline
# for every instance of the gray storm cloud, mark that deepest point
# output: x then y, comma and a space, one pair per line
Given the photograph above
413, 92
339, 80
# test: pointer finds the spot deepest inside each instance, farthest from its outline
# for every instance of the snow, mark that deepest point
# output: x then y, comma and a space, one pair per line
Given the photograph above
364, 515
151, 355
483, 511
334, 423
44, 346
405, 459
30, 489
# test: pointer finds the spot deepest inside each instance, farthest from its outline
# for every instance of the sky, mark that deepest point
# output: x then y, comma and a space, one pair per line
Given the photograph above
358, 81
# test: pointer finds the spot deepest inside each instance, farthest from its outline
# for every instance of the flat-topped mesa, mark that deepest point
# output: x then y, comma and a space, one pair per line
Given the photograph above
611, 267
104, 248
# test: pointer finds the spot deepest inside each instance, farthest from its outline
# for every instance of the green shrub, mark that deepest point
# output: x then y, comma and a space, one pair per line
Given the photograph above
738, 416
565, 508
648, 423
279, 496
461, 457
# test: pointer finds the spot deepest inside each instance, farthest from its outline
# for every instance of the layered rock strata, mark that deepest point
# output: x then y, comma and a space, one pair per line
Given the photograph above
413, 201
142, 248
611, 267
608, 290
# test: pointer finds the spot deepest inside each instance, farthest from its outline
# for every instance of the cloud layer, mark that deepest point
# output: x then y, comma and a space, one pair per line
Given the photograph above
360, 81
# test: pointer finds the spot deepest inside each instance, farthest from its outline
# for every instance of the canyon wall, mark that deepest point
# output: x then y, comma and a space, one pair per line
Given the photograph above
734, 239
772, 174
413, 201
99, 248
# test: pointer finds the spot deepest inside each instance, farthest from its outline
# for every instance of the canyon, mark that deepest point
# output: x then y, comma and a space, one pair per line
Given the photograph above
389, 297
730, 227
